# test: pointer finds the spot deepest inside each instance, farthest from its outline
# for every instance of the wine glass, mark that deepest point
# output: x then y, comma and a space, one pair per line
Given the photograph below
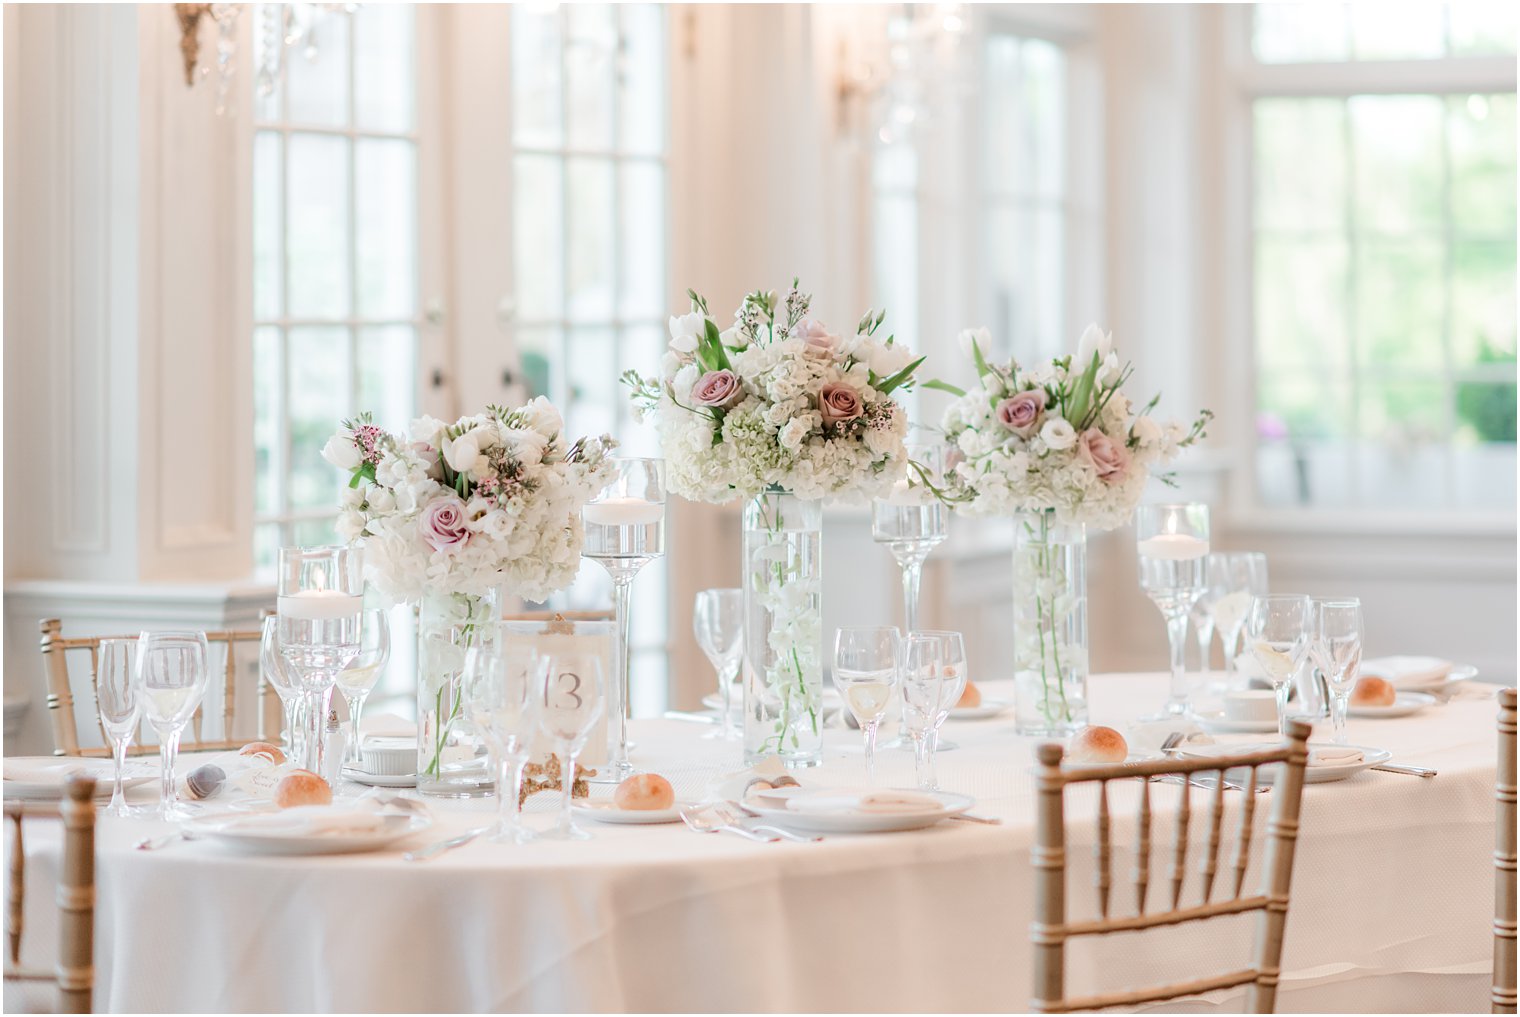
571, 694
357, 680
1173, 545
1238, 576
321, 597
933, 678
866, 673
499, 688
1337, 652
120, 707
1278, 628
911, 521
718, 619
170, 679
625, 530
1202, 619
278, 674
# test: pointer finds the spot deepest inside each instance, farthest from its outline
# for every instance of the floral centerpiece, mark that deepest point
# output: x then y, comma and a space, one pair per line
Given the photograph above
451, 516
1061, 448
779, 409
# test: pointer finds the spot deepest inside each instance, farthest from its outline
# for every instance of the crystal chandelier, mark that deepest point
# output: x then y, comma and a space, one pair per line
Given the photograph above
281, 27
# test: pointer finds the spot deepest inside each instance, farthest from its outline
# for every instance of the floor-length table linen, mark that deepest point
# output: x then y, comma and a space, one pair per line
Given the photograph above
1391, 899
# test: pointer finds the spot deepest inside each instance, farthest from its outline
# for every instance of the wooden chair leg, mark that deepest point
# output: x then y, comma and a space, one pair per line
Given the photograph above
1282, 838
76, 898
1504, 860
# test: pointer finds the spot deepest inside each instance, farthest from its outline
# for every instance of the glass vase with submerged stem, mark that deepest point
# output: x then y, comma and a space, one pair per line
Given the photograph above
1172, 542
450, 763
625, 530
321, 597
1049, 624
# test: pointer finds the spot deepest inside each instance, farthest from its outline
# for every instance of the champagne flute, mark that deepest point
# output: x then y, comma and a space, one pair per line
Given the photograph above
718, 619
625, 530
866, 672
499, 688
1278, 629
933, 678
571, 696
278, 674
1173, 546
120, 706
1337, 652
1240, 575
358, 679
170, 678
911, 521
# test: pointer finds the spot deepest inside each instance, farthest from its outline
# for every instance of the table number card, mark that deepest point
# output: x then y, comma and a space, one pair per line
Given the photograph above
561, 636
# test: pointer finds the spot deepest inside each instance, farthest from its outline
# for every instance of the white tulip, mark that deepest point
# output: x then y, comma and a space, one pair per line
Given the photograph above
1058, 434
693, 324
980, 336
341, 451
1094, 341
888, 360
684, 344
461, 453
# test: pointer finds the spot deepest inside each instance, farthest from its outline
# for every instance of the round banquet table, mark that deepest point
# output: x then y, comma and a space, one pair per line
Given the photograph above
1391, 905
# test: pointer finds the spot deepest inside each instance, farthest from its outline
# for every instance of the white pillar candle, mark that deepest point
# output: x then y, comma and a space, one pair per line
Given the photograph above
1173, 547
320, 605
623, 512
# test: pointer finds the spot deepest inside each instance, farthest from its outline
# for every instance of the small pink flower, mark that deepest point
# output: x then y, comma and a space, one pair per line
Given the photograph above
1021, 413
719, 389
839, 403
1108, 458
442, 524
817, 340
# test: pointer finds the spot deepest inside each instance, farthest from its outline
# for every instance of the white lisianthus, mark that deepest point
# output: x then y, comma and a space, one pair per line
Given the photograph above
1058, 434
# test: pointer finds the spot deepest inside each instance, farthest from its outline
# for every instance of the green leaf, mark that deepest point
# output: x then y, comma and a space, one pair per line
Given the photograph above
900, 377
982, 367
943, 386
712, 342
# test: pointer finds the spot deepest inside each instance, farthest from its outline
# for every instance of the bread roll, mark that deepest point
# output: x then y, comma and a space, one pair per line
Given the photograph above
301, 787
264, 750
1095, 744
644, 792
1370, 690
971, 697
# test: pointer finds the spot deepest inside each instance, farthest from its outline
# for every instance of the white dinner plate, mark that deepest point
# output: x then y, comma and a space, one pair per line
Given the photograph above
1216, 721
359, 776
42, 778
771, 806
275, 842
987, 708
1458, 673
1129, 760
1322, 774
608, 812
1404, 703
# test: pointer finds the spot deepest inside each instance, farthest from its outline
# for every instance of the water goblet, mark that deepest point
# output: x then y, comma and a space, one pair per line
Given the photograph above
321, 598
1278, 628
866, 672
718, 620
277, 672
910, 520
357, 680
1337, 652
571, 696
1234, 578
499, 689
170, 678
120, 707
933, 678
625, 530
1173, 546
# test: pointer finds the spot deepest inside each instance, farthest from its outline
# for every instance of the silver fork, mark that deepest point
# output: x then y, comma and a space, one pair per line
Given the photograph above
704, 820
733, 812
434, 850
154, 843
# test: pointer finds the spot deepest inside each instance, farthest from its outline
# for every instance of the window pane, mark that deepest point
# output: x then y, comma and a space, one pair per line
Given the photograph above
591, 44
385, 187
542, 362
319, 385
268, 256
268, 411
313, 532
1301, 313
1481, 130
536, 75
896, 260
1483, 26
1486, 410
1298, 32
593, 387
1294, 192
1045, 113
589, 238
1483, 303
1401, 303
641, 79
1009, 276
643, 237
1396, 149
1397, 30
538, 237
387, 366
317, 85
1008, 158
317, 227
385, 62
1304, 440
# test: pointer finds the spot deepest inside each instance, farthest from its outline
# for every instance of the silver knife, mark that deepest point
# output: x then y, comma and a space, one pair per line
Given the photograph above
1413, 771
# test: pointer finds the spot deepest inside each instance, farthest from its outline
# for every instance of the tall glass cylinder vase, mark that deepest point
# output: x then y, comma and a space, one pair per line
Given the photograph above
1049, 624
451, 762
783, 629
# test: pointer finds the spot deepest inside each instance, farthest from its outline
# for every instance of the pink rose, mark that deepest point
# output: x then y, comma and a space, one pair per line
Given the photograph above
1108, 458
839, 403
1021, 413
817, 340
442, 524
720, 389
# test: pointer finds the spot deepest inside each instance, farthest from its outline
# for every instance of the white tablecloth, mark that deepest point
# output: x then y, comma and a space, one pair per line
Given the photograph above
1391, 906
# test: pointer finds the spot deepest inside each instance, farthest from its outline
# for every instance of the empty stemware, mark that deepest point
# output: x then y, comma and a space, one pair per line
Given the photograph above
500, 689
357, 680
933, 678
1278, 628
866, 673
571, 693
1337, 652
120, 707
1237, 576
277, 672
171, 678
718, 622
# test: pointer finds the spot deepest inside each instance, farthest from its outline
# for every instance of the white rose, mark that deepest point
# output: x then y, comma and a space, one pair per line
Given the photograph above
543, 416
793, 434
426, 428
341, 451
1058, 434
461, 453
888, 360
1093, 341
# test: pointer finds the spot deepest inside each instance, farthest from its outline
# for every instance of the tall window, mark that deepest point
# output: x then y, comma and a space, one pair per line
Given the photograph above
335, 288
1384, 255
589, 243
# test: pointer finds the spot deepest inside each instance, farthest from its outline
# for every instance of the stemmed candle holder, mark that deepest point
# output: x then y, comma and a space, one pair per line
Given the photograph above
1173, 546
625, 530
321, 597
911, 522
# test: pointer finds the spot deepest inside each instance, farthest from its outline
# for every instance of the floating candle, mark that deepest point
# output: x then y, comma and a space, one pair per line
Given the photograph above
319, 605
623, 512
1173, 547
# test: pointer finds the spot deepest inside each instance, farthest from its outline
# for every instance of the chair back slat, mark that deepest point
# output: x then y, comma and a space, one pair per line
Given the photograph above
229, 687
15, 892
1051, 930
100, 722
1504, 859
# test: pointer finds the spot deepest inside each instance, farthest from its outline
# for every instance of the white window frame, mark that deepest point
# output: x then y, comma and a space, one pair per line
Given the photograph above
1244, 81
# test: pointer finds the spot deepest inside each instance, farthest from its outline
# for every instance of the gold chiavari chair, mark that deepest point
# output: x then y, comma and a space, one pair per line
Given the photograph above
74, 972
1051, 929
1504, 860
58, 651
